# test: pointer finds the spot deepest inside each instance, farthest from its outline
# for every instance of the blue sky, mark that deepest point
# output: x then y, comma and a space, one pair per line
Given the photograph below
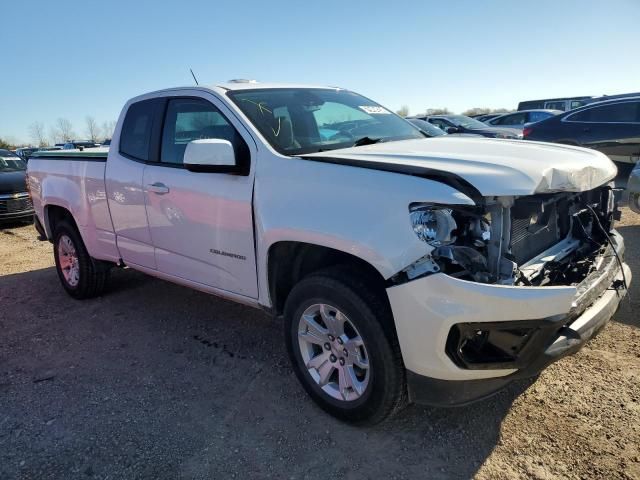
76, 58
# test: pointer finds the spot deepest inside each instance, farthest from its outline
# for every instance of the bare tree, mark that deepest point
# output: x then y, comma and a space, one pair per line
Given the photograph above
38, 135
108, 128
476, 111
483, 110
404, 111
438, 111
93, 131
62, 131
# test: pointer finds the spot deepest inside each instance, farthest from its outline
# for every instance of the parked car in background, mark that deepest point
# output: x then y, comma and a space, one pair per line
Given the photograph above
520, 119
15, 201
106, 142
28, 151
25, 152
431, 130
611, 127
425, 127
464, 124
80, 144
564, 104
487, 116
612, 97
633, 187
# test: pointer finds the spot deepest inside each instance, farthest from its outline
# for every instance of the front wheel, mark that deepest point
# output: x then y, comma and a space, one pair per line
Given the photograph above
343, 347
80, 275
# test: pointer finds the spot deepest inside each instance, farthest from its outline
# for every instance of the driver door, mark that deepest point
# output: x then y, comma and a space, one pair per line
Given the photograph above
201, 223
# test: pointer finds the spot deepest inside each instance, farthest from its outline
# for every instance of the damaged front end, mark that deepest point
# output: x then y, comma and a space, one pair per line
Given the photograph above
538, 240
510, 286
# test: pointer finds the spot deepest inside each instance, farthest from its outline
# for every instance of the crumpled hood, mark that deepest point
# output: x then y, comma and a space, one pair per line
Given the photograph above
495, 167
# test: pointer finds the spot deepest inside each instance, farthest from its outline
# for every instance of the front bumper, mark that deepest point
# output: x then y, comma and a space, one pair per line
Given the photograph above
15, 205
425, 310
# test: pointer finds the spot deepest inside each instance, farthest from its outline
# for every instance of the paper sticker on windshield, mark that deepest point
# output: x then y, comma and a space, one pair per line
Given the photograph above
371, 110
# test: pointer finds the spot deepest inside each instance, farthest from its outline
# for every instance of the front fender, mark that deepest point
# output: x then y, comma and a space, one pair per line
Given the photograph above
362, 212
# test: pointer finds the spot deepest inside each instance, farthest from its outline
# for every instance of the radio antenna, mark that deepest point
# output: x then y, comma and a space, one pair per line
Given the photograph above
194, 77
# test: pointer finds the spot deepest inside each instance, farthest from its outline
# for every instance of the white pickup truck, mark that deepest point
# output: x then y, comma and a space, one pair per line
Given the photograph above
434, 270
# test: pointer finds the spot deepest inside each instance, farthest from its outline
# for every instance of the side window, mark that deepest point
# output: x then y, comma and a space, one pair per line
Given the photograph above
583, 116
560, 105
515, 119
439, 123
626, 112
619, 112
135, 138
537, 116
576, 104
190, 119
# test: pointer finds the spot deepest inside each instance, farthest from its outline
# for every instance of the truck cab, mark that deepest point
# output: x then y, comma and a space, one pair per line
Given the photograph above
435, 270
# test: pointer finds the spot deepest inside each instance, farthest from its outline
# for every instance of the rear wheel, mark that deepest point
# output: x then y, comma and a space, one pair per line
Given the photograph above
343, 348
80, 275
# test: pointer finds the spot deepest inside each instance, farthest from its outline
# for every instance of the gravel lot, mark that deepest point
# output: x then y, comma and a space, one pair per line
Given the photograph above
153, 380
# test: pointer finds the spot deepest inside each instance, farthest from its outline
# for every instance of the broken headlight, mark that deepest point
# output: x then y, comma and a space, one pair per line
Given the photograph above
433, 225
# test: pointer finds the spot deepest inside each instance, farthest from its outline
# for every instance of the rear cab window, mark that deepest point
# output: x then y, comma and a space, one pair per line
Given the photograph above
137, 129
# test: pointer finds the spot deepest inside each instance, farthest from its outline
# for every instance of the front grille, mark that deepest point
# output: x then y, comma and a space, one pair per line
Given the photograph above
533, 230
539, 222
15, 205
536, 226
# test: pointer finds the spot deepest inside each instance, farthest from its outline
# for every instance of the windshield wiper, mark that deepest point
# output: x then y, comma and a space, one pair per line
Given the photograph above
365, 141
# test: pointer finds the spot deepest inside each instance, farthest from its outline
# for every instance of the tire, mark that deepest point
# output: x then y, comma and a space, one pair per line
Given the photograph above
81, 276
379, 390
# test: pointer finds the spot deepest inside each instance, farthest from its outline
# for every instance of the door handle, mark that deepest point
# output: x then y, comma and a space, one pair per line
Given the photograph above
158, 188
586, 129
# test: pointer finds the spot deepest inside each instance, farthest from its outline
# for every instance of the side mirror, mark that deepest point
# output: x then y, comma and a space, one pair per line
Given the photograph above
211, 155
452, 130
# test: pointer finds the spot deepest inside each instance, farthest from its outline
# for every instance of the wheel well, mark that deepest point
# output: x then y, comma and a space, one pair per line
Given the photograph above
54, 214
289, 262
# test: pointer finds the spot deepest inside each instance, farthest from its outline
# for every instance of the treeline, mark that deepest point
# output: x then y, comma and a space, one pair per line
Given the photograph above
404, 111
62, 131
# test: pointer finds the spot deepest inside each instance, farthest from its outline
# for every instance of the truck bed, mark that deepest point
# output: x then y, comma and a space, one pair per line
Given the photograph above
74, 180
88, 154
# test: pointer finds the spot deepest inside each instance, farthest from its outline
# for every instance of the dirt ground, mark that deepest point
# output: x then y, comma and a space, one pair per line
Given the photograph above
153, 380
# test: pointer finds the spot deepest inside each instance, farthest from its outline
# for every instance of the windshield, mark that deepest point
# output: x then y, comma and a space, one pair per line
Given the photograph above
9, 161
296, 121
465, 122
427, 127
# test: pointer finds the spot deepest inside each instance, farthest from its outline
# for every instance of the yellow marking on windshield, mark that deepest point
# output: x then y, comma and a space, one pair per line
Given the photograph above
261, 106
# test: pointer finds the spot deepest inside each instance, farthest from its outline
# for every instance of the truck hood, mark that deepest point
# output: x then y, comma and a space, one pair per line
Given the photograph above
494, 167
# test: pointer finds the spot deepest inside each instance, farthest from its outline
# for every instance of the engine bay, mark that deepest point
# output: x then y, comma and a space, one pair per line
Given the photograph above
538, 240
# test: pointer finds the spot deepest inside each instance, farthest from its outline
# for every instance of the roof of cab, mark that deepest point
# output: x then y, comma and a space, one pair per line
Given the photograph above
253, 85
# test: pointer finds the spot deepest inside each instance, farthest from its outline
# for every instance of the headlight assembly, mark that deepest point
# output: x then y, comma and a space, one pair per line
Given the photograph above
433, 225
